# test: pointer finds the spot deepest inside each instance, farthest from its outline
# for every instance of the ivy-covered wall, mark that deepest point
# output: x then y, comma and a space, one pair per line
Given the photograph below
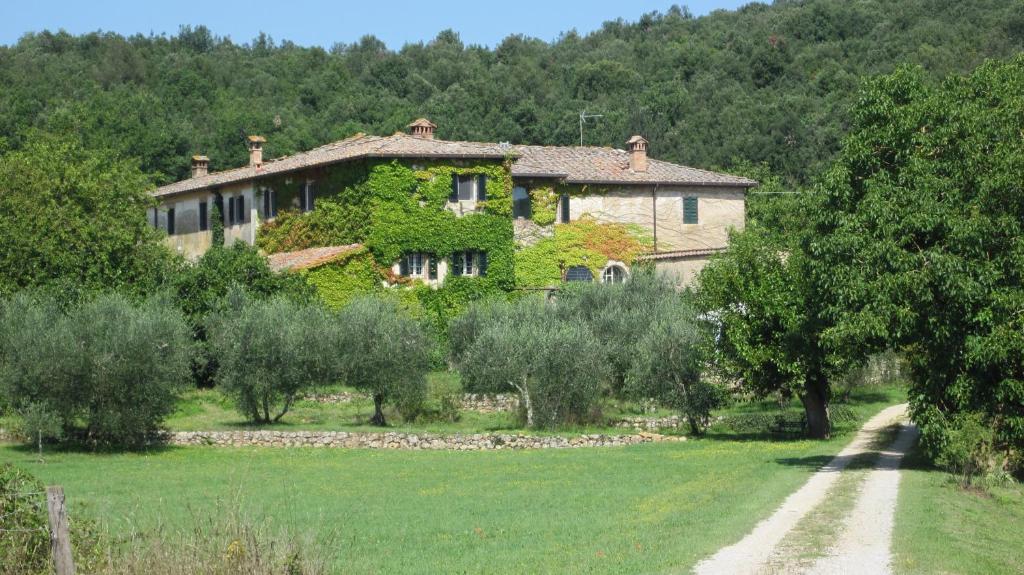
394, 207
583, 242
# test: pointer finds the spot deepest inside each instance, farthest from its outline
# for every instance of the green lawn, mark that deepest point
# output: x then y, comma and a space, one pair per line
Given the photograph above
646, 508
941, 528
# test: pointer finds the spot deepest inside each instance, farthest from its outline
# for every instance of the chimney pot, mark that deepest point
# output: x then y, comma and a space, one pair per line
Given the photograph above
256, 151
422, 128
200, 166
637, 153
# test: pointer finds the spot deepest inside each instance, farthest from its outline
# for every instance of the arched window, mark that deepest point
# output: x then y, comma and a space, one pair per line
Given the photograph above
613, 274
579, 274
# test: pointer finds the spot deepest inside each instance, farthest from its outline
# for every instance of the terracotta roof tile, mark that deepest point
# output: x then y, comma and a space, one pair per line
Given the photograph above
574, 164
593, 165
309, 258
358, 146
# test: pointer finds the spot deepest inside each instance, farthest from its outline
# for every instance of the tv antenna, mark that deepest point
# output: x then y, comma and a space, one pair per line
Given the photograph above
584, 116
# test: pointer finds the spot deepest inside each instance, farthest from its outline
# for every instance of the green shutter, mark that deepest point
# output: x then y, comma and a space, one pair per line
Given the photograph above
689, 210
457, 263
432, 267
483, 264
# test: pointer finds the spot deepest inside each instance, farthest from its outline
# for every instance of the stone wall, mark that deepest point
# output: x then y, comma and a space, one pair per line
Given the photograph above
481, 402
641, 423
415, 441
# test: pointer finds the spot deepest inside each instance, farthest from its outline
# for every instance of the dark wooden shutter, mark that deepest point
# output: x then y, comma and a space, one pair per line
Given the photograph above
432, 267
231, 211
246, 216
403, 266
565, 208
454, 196
457, 263
689, 210
204, 217
482, 265
170, 221
266, 204
481, 188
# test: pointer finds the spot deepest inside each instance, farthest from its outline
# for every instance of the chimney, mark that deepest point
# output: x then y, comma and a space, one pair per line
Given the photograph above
422, 128
256, 151
637, 153
200, 166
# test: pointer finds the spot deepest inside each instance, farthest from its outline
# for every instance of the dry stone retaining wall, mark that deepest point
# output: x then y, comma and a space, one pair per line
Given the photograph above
395, 440
650, 423
481, 402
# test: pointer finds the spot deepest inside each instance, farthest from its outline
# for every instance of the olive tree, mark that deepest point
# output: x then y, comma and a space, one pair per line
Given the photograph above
668, 363
617, 314
270, 351
108, 369
556, 367
383, 351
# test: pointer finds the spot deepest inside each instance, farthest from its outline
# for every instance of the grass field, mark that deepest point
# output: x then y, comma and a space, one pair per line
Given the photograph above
647, 508
941, 528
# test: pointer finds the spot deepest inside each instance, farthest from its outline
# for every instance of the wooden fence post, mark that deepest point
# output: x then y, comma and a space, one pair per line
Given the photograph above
60, 538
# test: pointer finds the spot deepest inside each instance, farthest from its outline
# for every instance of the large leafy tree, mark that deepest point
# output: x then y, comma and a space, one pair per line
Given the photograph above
770, 321
919, 242
76, 218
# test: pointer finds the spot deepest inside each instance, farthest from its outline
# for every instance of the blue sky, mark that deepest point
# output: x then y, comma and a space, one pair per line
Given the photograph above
323, 23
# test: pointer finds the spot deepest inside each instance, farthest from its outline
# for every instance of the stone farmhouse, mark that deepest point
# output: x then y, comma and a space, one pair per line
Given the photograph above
683, 214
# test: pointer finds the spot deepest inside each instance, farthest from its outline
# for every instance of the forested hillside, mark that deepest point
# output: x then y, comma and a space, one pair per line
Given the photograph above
764, 83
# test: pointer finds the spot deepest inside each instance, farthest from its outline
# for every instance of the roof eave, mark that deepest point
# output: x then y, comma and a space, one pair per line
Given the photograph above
662, 183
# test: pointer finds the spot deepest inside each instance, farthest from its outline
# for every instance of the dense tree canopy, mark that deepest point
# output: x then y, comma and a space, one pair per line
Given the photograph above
919, 242
763, 83
75, 219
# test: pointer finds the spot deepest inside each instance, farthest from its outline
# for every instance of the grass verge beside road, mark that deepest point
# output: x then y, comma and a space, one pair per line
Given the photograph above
941, 528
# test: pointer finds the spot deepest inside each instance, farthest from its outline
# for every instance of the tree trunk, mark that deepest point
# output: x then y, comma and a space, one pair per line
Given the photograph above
815, 400
378, 410
524, 392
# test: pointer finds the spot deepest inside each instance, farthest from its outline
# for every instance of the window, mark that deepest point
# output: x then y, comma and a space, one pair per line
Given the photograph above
236, 210
468, 187
156, 216
418, 265
689, 210
269, 204
170, 221
520, 203
307, 197
469, 263
579, 274
204, 217
613, 274
563, 204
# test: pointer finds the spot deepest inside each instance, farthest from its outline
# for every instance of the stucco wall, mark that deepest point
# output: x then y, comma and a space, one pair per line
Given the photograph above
682, 271
187, 239
718, 211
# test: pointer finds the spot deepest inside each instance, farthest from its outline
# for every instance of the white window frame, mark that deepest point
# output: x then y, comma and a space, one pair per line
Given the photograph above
608, 273
422, 262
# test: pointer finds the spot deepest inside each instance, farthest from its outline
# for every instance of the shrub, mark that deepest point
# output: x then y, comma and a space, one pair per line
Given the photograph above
24, 530
109, 369
384, 352
667, 364
967, 448
271, 351
556, 367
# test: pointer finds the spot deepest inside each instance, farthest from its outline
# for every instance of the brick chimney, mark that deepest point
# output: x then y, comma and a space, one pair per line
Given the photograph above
637, 153
200, 166
256, 151
422, 128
